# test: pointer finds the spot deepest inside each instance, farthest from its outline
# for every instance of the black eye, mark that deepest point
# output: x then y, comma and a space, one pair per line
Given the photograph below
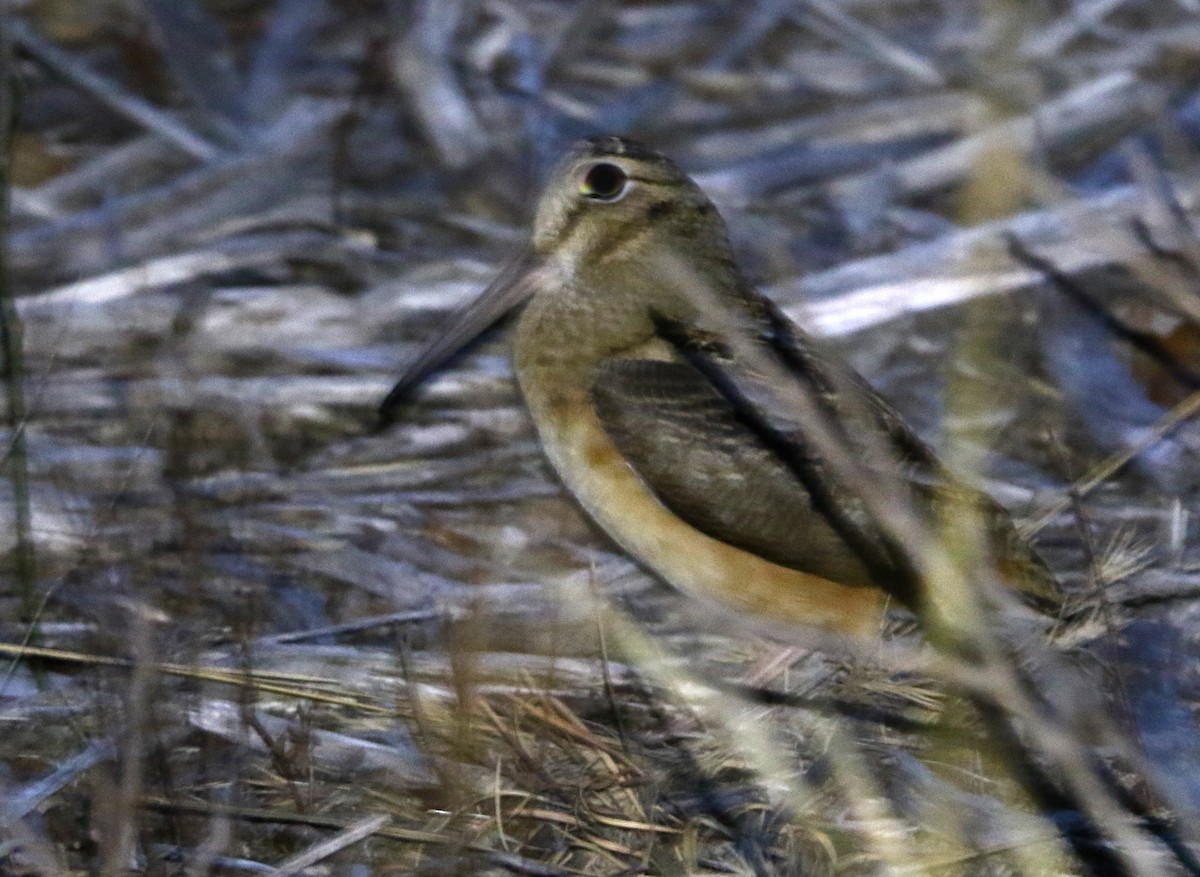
604, 182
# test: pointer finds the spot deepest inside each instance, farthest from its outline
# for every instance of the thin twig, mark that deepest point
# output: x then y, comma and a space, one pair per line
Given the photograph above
109, 93
348, 836
510, 861
1184, 411
874, 44
11, 348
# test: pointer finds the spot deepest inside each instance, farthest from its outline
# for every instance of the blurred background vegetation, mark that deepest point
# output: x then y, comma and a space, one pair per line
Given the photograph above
246, 632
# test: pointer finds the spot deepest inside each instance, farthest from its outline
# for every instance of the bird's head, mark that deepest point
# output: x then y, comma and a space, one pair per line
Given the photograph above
611, 200
617, 225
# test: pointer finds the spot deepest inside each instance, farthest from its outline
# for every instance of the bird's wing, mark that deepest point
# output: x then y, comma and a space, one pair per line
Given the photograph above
715, 436
708, 466
869, 425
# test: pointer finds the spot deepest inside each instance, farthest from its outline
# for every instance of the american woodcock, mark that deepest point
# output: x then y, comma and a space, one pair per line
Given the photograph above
680, 408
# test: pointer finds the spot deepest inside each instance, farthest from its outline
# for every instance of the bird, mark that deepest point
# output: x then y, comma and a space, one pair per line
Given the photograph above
713, 439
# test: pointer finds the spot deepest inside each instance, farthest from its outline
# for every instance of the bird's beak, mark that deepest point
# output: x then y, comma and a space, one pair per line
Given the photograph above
516, 283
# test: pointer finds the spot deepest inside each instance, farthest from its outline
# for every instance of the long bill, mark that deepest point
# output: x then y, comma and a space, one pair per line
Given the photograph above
511, 288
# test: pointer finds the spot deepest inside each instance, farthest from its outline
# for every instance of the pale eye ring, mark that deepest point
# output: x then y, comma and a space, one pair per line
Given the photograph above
604, 181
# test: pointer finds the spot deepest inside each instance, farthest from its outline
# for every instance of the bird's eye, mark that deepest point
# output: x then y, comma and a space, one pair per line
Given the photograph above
604, 182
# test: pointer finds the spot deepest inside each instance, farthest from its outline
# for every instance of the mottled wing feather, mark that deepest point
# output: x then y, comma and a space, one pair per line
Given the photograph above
866, 423
935, 487
688, 444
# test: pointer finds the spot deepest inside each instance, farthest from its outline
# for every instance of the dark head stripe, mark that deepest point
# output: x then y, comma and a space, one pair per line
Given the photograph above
609, 144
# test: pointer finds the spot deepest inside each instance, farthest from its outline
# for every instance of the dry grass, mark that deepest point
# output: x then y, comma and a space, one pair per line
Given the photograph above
245, 632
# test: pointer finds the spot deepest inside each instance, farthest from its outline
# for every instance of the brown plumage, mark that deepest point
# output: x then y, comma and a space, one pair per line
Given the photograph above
677, 405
